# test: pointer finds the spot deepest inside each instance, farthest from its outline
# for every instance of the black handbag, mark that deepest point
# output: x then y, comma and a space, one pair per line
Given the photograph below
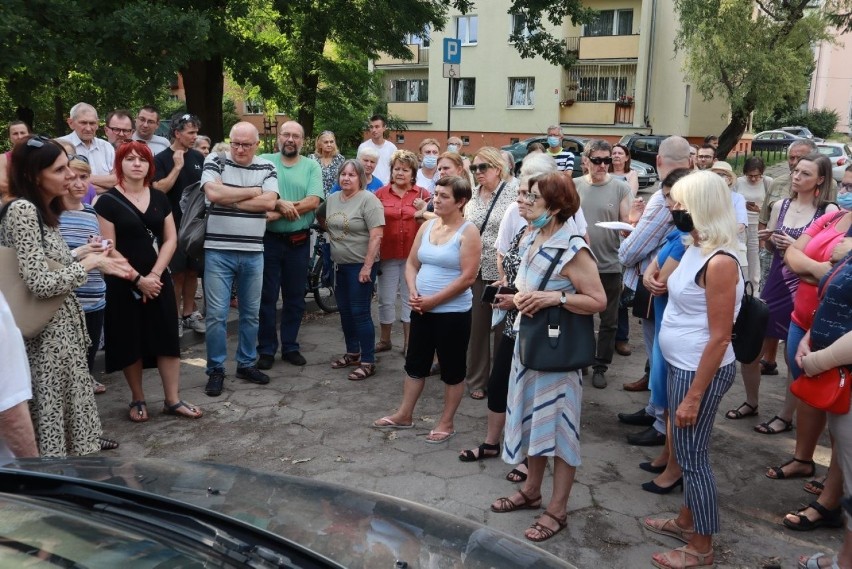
643, 302
555, 339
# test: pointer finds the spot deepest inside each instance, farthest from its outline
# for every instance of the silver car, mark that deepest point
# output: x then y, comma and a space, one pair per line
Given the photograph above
840, 156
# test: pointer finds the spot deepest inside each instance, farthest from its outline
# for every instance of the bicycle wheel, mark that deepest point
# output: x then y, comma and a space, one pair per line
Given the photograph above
323, 295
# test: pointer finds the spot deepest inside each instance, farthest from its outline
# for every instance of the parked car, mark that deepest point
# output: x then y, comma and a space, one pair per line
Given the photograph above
801, 132
643, 147
840, 156
772, 140
646, 172
107, 513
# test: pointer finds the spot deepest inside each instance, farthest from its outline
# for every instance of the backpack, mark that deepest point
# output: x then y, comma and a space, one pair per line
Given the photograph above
193, 224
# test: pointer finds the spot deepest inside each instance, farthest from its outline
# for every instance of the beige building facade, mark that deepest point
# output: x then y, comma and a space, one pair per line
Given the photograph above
831, 83
627, 79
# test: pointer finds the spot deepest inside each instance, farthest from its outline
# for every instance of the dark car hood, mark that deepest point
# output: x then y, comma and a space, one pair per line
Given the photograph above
352, 527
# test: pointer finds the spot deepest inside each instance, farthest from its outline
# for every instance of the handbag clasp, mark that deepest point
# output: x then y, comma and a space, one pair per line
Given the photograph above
552, 331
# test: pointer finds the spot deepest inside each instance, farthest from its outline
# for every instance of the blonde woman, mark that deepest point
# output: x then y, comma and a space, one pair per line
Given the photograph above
326, 153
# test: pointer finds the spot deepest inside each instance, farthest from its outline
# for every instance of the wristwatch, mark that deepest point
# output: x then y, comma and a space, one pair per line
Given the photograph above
563, 298
74, 254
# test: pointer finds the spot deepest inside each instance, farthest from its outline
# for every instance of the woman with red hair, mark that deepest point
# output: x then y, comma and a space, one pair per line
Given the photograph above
140, 324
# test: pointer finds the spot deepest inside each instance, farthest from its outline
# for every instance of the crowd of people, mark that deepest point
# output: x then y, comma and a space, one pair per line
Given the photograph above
458, 250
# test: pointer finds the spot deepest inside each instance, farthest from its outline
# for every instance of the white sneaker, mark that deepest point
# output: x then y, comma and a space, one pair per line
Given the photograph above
195, 322
180, 327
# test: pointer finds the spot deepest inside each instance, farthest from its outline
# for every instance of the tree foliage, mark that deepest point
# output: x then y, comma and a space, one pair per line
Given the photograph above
821, 122
538, 41
756, 56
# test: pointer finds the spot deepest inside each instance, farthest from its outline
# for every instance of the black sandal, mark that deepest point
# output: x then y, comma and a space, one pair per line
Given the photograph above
108, 444
739, 414
766, 428
516, 475
828, 518
471, 456
767, 368
777, 472
139, 412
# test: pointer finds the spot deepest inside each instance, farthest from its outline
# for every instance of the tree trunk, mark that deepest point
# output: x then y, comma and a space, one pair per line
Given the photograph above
732, 133
60, 126
27, 115
307, 102
203, 82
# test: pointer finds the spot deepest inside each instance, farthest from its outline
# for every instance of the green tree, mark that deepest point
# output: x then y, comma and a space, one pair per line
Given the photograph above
754, 56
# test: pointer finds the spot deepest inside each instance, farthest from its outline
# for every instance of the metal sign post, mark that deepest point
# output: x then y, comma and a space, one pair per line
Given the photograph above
452, 70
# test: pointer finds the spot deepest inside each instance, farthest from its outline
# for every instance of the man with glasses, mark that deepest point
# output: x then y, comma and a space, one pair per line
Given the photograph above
242, 188
564, 157
604, 198
175, 169
118, 126
83, 120
147, 123
705, 157
286, 247
385, 148
18, 131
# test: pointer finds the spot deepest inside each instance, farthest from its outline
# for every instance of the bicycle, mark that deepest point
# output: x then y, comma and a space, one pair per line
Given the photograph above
320, 281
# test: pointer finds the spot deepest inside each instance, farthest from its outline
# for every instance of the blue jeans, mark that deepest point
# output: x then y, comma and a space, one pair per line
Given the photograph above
221, 270
353, 299
285, 269
795, 333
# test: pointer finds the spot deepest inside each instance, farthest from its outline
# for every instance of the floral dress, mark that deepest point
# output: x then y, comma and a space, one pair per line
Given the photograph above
63, 407
330, 171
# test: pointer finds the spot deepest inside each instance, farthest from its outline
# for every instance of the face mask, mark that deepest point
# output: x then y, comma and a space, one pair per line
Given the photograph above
682, 220
553, 141
541, 220
845, 201
430, 161
452, 148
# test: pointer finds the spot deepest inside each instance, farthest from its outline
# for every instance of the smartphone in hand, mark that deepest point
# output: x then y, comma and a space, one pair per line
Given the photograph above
489, 294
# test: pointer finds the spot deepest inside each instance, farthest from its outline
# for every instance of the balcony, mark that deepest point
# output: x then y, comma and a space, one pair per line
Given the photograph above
409, 112
420, 57
598, 113
609, 47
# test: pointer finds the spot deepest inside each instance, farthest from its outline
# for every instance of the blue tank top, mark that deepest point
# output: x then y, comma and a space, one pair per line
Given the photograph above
439, 266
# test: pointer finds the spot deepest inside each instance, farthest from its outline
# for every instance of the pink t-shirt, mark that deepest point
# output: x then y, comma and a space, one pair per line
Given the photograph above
824, 237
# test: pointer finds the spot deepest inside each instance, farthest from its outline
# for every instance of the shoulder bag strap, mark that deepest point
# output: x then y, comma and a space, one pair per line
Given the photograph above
135, 213
491, 207
550, 269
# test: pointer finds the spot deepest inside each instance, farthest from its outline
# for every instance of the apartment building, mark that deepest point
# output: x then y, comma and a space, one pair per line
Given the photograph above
831, 82
627, 79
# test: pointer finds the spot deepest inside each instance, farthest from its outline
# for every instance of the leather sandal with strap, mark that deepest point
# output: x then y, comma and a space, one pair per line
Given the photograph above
362, 372
485, 450
346, 360
681, 558
505, 504
827, 518
544, 532
138, 411
777, 472
669, 528
739, 413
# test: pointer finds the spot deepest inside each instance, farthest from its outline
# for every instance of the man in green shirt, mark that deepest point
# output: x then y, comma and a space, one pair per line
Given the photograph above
286, 247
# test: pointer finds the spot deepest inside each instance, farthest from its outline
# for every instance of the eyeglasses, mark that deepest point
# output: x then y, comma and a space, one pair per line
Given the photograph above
78, 157
705, 157
242, 145
124, 131
528, 196
38, 140
601, 160
481, 168
754, 177
844, 187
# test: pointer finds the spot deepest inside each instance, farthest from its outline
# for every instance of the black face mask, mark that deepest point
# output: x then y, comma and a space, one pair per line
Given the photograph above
682, 220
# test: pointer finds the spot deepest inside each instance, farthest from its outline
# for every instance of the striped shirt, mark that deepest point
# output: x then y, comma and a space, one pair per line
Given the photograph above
230, 229
564, 159
76, 226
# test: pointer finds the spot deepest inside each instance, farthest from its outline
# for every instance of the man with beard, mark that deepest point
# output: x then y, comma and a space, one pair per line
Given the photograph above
286, 247
118, 127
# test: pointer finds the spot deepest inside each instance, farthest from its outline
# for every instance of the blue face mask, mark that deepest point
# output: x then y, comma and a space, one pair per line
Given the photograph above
844, 200
541, 220
430, 161
452, 148
553, 141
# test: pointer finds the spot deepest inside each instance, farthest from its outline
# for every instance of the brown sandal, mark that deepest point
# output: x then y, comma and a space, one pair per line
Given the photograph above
362, 372
346, 360
505, 504
544, 532
383, 346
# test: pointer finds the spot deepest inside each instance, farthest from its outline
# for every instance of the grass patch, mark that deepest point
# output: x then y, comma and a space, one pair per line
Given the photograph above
770, 157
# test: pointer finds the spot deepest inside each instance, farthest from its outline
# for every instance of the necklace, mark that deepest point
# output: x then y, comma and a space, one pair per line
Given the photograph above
131, 196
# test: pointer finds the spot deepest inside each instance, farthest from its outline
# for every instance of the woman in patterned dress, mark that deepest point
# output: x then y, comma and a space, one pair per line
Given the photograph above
325, 152
543, 408
63, 407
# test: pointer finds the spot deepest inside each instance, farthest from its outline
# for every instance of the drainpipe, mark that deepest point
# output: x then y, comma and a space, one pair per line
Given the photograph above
650, 63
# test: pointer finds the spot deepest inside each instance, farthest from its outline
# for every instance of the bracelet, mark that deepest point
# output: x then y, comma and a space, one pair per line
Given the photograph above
136, 280
158, 274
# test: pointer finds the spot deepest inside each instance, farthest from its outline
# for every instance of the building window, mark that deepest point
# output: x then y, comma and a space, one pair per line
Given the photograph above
611, 23
518, 26
464, 92
409, 91
467, 29
521, 91
608, 83
254, 107
422, 38
400, 139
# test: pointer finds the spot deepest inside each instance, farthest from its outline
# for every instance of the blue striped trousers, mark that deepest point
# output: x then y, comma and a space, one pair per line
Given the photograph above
692, 444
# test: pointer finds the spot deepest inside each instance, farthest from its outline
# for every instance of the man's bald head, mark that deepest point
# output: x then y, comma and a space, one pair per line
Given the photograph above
673, 154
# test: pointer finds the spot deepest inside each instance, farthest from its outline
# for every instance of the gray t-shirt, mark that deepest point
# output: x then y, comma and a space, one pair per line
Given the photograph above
230, 229
349, 222
602, 202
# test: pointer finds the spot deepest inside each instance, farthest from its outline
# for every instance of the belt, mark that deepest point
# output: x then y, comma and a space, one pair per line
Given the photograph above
287, 234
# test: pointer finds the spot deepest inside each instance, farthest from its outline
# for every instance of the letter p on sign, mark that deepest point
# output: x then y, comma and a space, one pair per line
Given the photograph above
452, 51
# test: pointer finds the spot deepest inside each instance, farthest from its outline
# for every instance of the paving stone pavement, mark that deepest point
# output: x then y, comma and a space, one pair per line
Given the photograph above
310, 421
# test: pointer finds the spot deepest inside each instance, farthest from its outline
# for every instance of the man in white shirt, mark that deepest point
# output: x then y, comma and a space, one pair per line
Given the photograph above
83, 120
147, 123
385, 148
17, 436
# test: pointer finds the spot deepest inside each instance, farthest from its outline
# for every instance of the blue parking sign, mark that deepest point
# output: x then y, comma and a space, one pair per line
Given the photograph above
452, 51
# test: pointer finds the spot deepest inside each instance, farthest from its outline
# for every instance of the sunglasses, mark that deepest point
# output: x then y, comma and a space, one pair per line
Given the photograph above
78, 157
481, 168
599, 161
187, 118
38, 140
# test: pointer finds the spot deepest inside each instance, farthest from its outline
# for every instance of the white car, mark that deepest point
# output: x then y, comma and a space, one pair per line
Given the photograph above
840, 156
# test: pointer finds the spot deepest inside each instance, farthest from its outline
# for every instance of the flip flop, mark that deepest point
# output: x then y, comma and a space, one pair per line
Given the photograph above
388, 423
98, 387
173, 410
137, 409
444, 437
